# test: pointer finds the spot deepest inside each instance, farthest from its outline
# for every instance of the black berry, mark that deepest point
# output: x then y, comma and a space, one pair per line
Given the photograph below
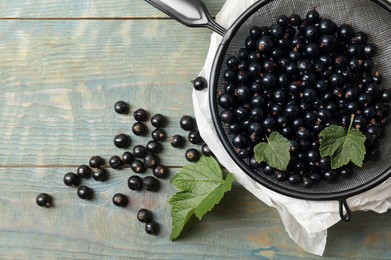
96, 162
192, 155
144, 215
177, 141
135, 183
139, 151
139, 128
200, 83
158, 120
206, 150
158, 135
161, 171
151, 183
100, 174
187, 123
115, 162
140, 115
152, 228
71, 179
121, 107
127, 158
194, 136
154, 147
137, 166
84, 171
120, 200
150, 160
84, 192
44, 200
121, 141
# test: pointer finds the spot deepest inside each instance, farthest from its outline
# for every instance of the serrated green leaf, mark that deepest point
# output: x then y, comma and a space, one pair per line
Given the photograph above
342, 147
201, 186
274, 152
333, 137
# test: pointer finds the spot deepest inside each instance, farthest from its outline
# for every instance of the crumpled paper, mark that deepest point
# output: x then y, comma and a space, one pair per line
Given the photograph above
306, 222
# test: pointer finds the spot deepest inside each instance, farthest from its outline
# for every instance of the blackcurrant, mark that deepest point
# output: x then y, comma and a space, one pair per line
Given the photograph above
71, 179
295, 20
127, 158
177, 141
121, 141
151, 183
144, 215
84, 192
187, 123
100, 174
158, 134
84, 171
139, 128
158, 120
44, 200
121, 107
152, 228
192, 155
206, 150
96, 162
194, 136
160, 171
120, 200
199, 83
153, 147
150, 160
140, 115
139, 151
135, 183
115, 162
137, 166
312, 17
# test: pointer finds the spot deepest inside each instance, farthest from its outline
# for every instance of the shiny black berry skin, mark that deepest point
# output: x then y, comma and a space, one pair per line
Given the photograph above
44, 200
120, 200
158, 135
121, 141
326, 26
385, 95
345, 172
144, 215
121, 107
295, 20
100, 174
140, 115
283, 20
151, 183
345, 32
115, 162
161, 172
312, 17
152, 228
135, 182
127, 158
139, 151
187, 123
96, 162
71, 179
151, 160
206, 150
370, 50
84, 192
153, 147
177, 141
330, 176
194, 136
84, 171
137, 166
139, 129
192, 155
158, 120
200, 83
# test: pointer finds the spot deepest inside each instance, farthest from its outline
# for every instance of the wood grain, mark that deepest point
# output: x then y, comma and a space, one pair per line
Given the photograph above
240, 227
86, 8
60, 80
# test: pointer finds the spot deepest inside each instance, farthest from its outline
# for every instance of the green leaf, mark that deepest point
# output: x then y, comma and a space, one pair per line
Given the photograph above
274, 152
342, 146
201, 186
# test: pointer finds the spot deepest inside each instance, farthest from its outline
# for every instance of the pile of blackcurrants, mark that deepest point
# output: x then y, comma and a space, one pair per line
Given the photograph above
297, 77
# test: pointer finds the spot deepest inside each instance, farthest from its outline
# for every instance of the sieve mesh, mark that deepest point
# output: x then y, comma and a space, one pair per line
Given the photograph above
364, 16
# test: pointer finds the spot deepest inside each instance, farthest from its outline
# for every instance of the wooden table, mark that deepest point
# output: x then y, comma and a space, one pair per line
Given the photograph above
64, 63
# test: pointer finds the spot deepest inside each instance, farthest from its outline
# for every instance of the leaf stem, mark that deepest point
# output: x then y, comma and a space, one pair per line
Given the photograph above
351, 122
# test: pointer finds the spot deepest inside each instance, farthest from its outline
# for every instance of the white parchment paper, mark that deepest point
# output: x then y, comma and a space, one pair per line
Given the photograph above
306, 222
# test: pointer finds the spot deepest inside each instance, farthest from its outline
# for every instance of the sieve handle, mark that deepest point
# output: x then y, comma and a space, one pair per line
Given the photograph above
344, 205
192, 13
